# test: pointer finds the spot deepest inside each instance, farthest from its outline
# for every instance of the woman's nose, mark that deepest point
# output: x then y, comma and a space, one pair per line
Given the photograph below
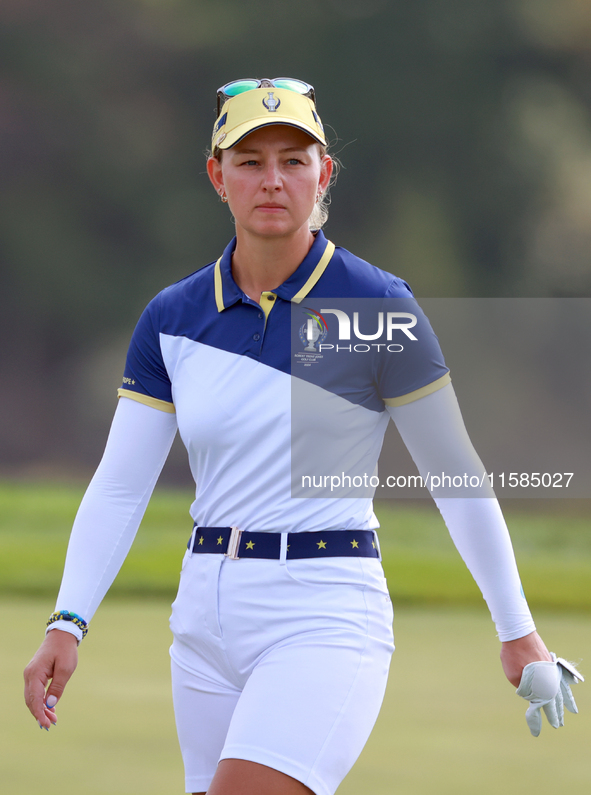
271, 177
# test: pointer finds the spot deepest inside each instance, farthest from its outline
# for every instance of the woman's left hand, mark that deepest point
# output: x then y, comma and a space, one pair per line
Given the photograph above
545, 683
516, 654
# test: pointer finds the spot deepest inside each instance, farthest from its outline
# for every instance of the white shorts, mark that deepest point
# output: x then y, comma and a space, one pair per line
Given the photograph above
280, 664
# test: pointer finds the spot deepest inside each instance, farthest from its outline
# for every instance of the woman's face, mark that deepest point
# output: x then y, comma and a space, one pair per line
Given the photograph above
271, 179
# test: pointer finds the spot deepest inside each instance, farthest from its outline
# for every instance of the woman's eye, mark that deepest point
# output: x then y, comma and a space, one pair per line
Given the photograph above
293, 161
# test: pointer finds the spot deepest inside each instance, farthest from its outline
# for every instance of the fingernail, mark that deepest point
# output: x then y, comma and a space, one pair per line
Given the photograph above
51, 701
39, 722
46, 728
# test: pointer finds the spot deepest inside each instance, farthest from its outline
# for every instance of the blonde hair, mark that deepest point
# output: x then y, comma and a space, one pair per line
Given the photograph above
319, 215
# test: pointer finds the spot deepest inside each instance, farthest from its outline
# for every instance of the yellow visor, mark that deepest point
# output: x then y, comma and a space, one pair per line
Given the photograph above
254, 109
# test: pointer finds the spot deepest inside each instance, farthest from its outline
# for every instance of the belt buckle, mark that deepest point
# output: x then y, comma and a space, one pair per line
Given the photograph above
234, 544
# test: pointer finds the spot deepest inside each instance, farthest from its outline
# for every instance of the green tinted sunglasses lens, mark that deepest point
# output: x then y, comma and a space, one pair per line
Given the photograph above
291, 85
239, 87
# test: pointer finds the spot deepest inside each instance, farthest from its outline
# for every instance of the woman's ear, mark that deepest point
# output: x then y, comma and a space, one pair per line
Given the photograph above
214, 172
326, 169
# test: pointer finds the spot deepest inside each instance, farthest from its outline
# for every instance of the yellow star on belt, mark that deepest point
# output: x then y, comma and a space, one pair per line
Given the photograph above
201, 541
250, 545
220, 540
355, 544
321, 544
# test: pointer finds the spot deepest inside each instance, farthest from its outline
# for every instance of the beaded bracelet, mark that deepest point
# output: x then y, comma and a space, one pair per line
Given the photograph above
66, 615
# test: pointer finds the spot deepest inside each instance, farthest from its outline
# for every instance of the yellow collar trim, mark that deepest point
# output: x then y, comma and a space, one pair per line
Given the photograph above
298, 297
217, 281
316, 273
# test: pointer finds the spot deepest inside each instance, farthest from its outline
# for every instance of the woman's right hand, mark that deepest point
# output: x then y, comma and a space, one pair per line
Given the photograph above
54, 661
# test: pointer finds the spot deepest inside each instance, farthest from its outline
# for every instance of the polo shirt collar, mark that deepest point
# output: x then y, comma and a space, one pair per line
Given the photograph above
295, 289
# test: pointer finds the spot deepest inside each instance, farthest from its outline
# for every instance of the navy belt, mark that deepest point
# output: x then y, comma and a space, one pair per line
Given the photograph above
236, 543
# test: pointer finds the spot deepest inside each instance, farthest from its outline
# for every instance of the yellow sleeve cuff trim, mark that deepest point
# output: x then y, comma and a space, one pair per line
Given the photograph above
419, 393
161, 405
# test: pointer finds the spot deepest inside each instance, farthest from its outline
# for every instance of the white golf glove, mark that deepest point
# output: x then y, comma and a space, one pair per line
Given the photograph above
546, 685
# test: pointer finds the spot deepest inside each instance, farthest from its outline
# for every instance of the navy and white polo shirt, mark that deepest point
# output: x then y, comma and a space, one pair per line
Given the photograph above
261, 399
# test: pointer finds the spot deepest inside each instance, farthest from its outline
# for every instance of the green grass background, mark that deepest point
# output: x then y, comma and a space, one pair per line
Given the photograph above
450, 722
553, 547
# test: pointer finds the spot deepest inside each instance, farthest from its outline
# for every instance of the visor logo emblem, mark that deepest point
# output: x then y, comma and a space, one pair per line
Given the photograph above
271, 103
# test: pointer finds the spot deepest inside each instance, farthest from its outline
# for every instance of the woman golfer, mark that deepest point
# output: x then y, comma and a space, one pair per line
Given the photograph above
282, 622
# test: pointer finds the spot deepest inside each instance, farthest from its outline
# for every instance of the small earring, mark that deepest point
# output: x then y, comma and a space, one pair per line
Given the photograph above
318, 196
223, 196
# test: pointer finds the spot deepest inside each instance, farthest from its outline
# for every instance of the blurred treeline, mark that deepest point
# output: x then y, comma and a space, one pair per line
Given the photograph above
464, 129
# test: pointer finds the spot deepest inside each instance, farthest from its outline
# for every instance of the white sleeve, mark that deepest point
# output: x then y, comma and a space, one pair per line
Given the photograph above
113, 506
433, 430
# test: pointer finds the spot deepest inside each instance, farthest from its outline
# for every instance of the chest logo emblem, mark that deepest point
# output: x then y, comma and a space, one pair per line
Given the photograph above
312, 334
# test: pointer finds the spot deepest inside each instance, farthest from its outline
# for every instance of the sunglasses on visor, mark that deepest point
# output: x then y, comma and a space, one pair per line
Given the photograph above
249, 84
